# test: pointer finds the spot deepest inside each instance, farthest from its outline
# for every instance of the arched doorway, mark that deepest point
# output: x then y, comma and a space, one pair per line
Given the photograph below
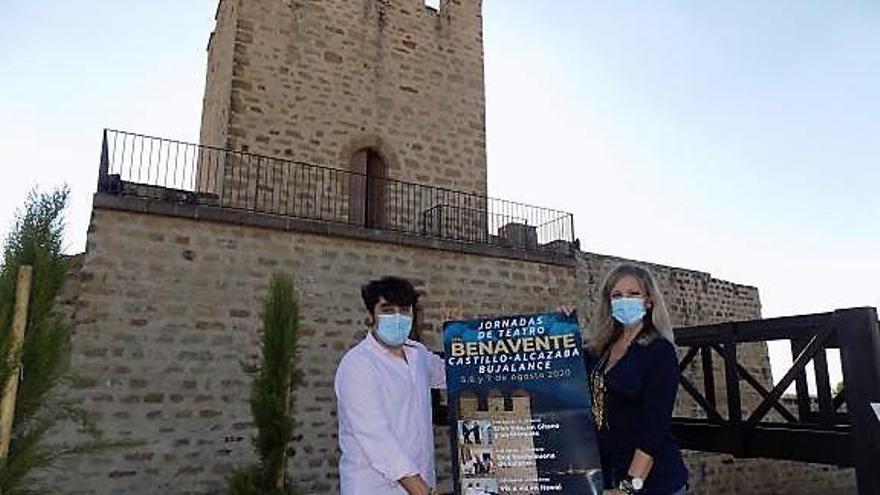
368, 189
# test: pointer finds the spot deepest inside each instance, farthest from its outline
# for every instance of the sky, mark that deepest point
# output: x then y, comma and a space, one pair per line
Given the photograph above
739, 138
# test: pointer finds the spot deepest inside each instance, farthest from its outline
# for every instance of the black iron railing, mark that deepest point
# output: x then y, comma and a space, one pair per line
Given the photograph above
158, 168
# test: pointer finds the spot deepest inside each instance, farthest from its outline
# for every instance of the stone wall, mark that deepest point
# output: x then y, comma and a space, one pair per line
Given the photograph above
316, 81
166, 310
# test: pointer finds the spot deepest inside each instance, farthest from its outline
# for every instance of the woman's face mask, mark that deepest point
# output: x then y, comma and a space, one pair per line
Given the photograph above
628, 301
628, 311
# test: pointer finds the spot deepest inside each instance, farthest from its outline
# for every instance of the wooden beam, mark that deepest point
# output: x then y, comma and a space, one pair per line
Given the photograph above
751, 380
710, 409
688, 357
754, 330
734, 402
797, 367
831, 447
802, 391
859, 337
10, 389
708, 376
823, 388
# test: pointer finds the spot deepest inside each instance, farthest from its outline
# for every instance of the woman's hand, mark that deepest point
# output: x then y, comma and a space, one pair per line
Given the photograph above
453, 314
566, 309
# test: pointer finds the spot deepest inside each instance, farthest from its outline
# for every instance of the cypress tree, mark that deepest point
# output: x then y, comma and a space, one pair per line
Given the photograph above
272, 389
36, 239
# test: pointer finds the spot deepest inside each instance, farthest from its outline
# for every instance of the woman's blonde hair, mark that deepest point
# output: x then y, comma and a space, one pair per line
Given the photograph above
605, 329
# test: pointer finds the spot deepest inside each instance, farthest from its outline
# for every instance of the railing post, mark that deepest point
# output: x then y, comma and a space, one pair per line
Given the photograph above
257, 184
708, 376
859, 339
104, 165
734, 402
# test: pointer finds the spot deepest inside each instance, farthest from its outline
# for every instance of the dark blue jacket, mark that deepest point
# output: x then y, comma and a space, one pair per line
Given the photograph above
640, 396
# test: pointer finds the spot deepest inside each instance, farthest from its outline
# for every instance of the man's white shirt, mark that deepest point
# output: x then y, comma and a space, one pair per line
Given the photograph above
384, 412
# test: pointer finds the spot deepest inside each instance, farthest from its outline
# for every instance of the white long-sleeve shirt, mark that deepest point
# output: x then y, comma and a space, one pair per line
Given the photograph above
384, 412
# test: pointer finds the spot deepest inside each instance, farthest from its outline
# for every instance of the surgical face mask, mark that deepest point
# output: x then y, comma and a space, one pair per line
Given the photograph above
628, 311
393, 330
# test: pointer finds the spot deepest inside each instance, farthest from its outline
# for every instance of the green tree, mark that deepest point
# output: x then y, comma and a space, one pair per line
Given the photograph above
271, 395
36, 239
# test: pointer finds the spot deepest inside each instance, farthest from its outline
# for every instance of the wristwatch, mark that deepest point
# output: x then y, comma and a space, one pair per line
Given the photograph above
631, 485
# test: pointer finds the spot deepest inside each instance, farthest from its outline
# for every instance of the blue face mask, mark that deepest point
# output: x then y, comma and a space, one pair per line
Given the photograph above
628, 311
393, 330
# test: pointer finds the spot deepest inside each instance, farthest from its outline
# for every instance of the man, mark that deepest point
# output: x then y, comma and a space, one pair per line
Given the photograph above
384, 400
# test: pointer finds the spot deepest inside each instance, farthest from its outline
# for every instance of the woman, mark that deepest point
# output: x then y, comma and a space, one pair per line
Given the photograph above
633, 372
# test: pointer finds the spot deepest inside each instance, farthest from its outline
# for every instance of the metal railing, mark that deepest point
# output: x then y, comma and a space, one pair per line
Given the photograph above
164, 169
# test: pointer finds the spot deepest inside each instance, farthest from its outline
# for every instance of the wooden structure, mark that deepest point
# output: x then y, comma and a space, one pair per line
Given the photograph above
842, 429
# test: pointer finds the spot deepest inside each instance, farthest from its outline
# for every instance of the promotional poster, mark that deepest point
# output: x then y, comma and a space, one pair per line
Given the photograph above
519, 407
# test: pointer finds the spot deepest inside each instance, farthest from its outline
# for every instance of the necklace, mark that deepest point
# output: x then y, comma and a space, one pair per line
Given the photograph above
597, 384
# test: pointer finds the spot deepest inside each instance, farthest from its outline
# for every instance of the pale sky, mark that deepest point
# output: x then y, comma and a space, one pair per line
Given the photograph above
738, 138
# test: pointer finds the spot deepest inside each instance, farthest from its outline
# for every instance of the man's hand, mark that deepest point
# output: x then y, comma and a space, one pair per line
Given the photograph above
414, 485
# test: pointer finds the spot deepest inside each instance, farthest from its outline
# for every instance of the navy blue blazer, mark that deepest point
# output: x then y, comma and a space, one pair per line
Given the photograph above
640, 397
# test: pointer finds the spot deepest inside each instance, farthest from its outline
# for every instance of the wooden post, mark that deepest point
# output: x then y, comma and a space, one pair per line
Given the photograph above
859, 338
10, 389
734, 401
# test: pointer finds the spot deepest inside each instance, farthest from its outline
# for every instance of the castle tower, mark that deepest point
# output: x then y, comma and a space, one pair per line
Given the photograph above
383, 88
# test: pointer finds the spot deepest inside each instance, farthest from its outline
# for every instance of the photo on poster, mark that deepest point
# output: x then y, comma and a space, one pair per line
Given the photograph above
479, 486
475, 432
476, 461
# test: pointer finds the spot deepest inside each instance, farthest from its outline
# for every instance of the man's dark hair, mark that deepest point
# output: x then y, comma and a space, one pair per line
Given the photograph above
395, 290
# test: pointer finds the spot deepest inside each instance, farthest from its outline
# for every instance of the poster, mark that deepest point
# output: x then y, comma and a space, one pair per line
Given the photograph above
519, 409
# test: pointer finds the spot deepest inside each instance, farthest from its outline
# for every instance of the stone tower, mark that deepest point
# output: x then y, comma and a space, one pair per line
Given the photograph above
388, 88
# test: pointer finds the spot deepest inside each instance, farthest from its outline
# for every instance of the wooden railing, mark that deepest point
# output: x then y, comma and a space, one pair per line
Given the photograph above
838, 429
